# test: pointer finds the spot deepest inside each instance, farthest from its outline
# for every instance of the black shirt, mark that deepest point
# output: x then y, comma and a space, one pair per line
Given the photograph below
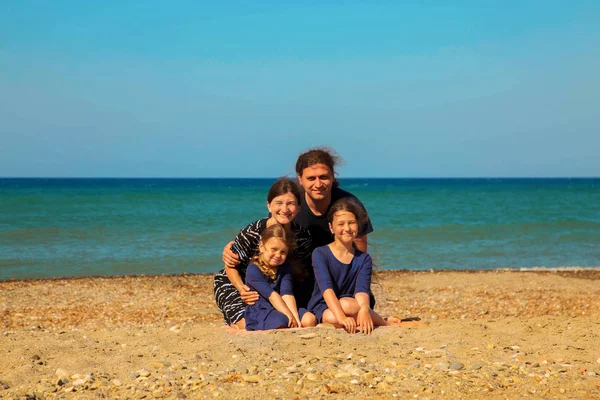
318, 226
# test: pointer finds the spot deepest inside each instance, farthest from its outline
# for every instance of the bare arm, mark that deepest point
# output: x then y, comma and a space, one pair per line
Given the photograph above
230, 259
248, 296
278, 303
361, 243
363, 318
290, 301
333, 304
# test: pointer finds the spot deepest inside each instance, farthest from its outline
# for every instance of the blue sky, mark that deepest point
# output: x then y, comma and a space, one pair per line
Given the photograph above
399, 89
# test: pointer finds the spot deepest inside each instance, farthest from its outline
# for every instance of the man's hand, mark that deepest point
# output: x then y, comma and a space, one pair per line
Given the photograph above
364, 320
249, 297
230, 259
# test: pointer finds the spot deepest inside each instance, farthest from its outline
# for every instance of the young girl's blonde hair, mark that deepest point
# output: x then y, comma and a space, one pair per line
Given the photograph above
274, 231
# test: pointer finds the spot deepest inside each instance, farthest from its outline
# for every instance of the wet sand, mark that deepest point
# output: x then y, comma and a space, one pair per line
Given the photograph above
482, 334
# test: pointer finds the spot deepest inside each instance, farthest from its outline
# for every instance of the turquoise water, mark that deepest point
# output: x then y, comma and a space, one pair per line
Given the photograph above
89, 227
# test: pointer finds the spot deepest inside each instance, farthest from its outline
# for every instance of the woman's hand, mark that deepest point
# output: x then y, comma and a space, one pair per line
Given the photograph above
230, 259
364, 320
349, 324
248, 296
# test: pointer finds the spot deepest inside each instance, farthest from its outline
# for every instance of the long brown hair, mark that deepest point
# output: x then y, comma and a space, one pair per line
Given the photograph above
274, 231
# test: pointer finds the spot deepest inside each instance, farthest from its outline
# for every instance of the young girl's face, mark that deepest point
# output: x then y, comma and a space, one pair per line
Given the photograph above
344, 226
274, 252
284, 208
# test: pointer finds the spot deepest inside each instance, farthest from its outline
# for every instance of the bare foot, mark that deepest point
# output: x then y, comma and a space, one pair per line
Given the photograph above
405, 322
393, 321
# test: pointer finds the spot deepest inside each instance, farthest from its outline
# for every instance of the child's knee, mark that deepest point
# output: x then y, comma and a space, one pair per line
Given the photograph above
350, 306
309, 319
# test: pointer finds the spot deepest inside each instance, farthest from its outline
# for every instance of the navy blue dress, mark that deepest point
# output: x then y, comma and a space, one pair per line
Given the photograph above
262, 315
345, 279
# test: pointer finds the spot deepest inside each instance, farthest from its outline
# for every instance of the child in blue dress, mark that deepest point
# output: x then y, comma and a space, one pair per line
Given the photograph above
343, 273
271, 277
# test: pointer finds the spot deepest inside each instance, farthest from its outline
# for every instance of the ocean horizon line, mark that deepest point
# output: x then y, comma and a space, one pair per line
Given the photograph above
277, 177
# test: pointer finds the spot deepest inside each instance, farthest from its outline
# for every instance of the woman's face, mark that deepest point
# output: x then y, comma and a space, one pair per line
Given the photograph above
284, 208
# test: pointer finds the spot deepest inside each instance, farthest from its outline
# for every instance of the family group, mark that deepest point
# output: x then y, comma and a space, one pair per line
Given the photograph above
304, 264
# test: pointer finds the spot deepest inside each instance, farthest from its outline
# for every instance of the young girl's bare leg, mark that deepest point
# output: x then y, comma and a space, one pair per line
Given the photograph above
241, 324
308, 320
329, 318
350, 306
378, 319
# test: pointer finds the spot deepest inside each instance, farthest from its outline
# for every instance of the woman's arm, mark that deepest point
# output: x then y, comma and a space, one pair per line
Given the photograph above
361, 243
248, 296
244, 246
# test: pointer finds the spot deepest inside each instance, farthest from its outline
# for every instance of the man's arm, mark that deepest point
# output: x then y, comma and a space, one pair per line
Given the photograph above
361, 243
230, 259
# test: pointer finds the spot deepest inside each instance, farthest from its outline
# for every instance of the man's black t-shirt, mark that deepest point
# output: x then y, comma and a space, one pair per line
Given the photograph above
318, 226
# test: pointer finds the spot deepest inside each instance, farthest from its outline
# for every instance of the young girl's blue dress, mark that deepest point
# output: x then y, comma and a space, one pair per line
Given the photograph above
262, 315
345, 279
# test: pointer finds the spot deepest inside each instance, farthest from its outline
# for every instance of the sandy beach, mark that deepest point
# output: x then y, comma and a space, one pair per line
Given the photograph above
496, 334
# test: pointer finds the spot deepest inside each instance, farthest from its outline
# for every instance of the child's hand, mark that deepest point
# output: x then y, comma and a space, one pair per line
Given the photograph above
349, 324
292, 323
364, 320
249, 297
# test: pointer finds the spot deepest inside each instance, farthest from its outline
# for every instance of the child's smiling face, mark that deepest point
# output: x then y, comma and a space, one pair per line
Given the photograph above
344, 226
274, 252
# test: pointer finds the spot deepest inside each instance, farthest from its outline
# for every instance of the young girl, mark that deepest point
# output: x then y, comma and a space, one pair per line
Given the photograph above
343, 273
271, 277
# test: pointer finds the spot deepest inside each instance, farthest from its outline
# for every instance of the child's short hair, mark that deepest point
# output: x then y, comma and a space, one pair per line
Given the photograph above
283, 186
274, 231
349, 204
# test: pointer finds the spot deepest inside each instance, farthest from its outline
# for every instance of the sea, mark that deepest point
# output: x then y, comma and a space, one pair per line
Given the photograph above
102, 227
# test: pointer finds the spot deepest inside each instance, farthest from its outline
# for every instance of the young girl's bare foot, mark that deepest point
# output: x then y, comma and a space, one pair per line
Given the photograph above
406, 322
392, 321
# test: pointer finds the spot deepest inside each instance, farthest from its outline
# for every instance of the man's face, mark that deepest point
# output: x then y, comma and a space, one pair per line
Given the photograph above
317, 181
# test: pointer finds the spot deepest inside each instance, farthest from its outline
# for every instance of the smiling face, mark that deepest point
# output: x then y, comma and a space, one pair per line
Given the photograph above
344, 226
284, 208
274, 252
317, 181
